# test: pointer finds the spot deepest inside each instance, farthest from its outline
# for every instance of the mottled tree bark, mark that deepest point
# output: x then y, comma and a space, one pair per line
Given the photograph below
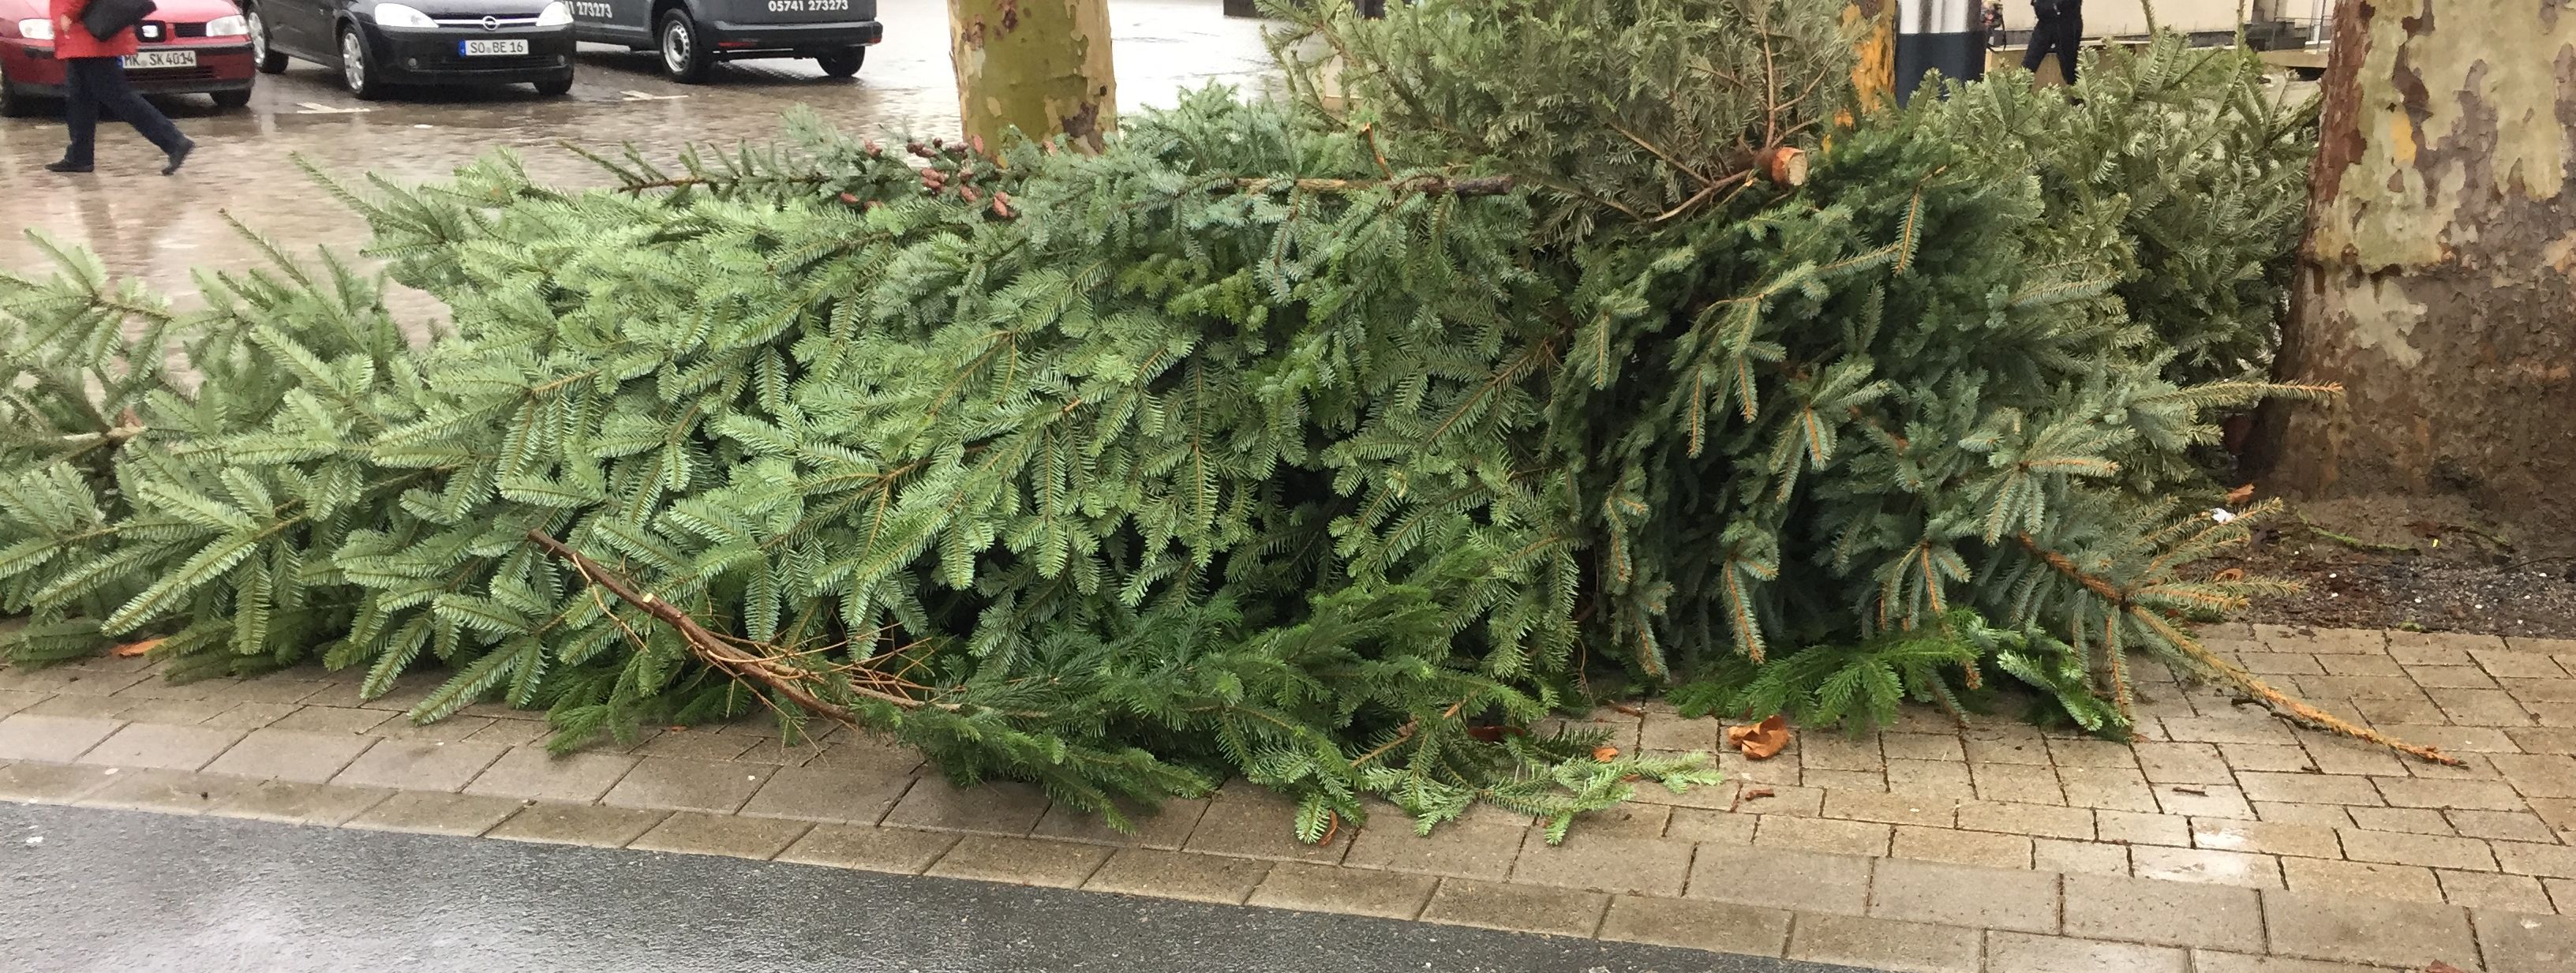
2438, 280
1872, 26
1039, 65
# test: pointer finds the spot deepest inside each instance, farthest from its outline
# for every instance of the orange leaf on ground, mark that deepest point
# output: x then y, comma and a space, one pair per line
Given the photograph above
1761, 740
2238, 496
2231, 574
1605, 754
2441, 967
131, 649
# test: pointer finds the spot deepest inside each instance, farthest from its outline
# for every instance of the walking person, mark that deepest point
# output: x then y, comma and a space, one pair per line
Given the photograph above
2059, 30
94, 78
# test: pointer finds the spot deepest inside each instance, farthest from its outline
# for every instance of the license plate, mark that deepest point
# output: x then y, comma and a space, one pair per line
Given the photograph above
491, 48
150, 60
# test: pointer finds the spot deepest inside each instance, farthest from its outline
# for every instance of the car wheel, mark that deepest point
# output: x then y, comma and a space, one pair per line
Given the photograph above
845, 63
269, 59
12, 103
556, 87
684, 51
356, 73
232, 99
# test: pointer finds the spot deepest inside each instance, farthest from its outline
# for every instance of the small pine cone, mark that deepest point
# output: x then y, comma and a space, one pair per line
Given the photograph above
1002, 205
851, 198
977, 142
919, 149
872, 148
874, 205
969, 194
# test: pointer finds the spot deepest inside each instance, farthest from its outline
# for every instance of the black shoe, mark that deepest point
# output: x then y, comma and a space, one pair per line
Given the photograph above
178, 157
65, 166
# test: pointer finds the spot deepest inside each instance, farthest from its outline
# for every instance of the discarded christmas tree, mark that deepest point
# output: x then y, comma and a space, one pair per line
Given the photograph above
1321, 450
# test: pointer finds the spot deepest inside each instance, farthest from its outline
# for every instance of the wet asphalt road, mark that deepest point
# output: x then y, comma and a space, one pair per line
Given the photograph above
157, 228
122, 892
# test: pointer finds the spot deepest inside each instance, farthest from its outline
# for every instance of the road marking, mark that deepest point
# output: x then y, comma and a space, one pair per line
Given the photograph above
641, 96
317, 108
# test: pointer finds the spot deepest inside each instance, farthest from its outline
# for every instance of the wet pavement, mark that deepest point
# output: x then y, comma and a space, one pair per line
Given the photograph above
157, 228
85, 890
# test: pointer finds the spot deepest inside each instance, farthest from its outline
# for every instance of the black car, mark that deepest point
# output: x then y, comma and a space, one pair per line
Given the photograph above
378, 43
691, 35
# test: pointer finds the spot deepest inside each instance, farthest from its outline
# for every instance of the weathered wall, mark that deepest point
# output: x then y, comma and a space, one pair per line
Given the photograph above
2438, 282
1040, 65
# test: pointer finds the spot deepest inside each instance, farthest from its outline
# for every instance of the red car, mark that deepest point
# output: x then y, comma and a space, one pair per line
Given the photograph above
189, 47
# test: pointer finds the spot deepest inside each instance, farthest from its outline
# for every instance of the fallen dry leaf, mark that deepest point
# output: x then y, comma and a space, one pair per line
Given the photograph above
131, 649
1747, 794
2441, 967
1761, 740
2231, 574
1605, 754
2238, 496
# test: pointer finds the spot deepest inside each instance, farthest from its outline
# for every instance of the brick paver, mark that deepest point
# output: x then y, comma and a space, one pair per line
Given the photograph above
2010, 952
433, 812
577, 824
298, 802
996, 808
2223, 841
419, 765
1517, 908
161, 746
2363, 930
290, 755
29, 736
827, 794
1963, 895
872, 849
1714, 926
1021, 861
1885, 944
1324, 888
531, 772
1176, 875
673, 784
695, 833
1477, 851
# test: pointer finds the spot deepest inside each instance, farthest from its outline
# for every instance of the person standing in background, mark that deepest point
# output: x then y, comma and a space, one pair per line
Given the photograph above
94, 78
2059, 30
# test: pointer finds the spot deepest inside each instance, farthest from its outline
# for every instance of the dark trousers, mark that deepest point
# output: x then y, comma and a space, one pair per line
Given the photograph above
2055, 35
92, 83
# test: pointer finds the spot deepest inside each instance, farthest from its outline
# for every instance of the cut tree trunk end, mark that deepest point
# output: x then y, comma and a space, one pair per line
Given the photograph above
1041, 66
2440, 267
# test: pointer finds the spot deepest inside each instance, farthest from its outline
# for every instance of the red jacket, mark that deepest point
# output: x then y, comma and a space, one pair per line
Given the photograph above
72, 40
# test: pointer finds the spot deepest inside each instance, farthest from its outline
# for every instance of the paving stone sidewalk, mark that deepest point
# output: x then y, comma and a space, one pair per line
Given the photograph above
2223, 841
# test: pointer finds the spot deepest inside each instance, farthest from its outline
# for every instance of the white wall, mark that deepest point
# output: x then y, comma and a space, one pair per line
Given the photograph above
2103, 17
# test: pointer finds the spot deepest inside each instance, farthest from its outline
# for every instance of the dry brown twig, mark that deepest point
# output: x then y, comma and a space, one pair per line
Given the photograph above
789, 682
